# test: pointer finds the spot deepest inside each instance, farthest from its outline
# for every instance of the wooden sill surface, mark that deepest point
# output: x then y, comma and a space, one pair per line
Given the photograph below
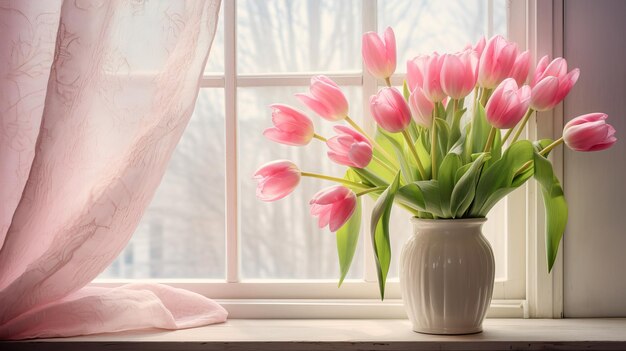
354, 334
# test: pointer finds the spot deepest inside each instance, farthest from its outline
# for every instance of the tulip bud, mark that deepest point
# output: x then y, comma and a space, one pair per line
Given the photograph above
380, 57
421, 108
349, 148
415, 72
276, 180
496, 61
551, 83
507, 105
480, 46
326, 99
432, 78
291, 127
521, 68
589, 132
334, 206
458, 74
390, 110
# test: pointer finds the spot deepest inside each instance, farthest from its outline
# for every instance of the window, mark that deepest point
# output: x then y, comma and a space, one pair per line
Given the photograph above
206, 231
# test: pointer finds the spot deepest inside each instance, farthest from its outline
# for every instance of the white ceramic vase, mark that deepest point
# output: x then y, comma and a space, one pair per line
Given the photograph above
446, 275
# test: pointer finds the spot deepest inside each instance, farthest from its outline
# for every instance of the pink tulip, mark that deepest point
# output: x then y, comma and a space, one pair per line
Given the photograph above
276, 180
458, 74
496, 61
551, 83
326, 99
521, 68
291, 127
380, 57
415, 72
480, 46
390, 110
432, 78
421, 108
508, 104
589, 132
349, 148
334, 206
546, 68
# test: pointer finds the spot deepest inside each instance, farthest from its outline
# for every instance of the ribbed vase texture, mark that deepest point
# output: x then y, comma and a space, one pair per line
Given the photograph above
446, 274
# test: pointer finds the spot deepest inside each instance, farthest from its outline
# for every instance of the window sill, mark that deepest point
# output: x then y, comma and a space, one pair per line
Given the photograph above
344, 334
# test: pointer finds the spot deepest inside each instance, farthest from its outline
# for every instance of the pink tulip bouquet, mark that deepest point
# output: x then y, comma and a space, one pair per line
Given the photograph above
449, 146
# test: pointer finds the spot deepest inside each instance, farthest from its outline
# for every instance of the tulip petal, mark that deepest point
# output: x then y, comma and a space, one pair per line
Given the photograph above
390, 51
341, 212
316, 106
360, 154
543, 94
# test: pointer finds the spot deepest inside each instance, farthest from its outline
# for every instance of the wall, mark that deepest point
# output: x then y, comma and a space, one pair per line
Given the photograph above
595, 183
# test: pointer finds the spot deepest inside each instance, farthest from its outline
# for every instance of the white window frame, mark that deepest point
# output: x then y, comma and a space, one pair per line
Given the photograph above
526, 292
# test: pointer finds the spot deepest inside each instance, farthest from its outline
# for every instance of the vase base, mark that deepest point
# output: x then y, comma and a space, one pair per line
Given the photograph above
448, 331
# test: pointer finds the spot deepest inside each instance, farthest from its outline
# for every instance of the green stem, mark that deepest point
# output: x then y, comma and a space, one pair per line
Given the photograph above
319, 137
352, 123
523, 168
477, 94
542, 153
522, 125
420, 168
383, 164
433, 149
456, 121
388, 82
492, 136
551, 146
334, 179
484, 97
370, 190
507, 134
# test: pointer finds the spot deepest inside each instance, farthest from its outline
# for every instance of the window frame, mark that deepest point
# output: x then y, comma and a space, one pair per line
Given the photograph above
529, 23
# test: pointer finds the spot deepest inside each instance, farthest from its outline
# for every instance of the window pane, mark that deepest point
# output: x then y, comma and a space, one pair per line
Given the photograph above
288, 36
215, 63
281, 239
181, 235
499, 17
422, 27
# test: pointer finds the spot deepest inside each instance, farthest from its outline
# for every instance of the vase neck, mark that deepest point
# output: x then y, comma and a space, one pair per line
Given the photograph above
449, 225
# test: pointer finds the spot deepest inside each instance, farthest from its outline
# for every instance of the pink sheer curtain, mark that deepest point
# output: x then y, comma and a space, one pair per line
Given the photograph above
94, 96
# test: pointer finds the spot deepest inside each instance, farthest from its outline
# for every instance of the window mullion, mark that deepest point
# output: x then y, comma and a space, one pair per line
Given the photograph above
370, 86
230, 93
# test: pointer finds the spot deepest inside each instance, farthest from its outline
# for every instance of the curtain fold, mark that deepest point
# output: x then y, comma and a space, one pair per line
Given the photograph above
94, 99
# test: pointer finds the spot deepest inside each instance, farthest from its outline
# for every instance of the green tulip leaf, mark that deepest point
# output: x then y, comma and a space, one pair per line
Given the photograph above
458, 146
464, 191
455, 128
409, 173
496, 148
347, 240
411, 195
461, 171
541, 144
479, 132
555, 206
446, 176
497, 179
380, 232
405, 90
425, 194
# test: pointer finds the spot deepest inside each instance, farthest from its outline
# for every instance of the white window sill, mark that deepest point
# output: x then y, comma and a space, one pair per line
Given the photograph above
354, 334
